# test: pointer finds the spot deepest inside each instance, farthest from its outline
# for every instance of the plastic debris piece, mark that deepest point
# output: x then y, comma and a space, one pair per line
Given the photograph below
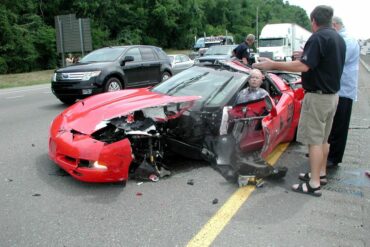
36, 194
140, 183
9, 180
33, 145
367, 173
215, 201
190, 182
153, 178
139, 193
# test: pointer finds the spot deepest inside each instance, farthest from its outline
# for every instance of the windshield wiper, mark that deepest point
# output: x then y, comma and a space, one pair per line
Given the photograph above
186, 83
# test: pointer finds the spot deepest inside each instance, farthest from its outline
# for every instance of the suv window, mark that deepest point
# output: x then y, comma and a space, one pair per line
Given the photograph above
147, 54
135, 53
161, 53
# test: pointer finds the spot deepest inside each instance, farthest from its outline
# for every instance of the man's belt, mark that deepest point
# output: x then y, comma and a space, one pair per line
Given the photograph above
318, 92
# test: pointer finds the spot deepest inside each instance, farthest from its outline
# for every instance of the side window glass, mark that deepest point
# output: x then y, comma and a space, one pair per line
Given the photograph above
177, 59
135, 53
161, 53
184, 58
147, 54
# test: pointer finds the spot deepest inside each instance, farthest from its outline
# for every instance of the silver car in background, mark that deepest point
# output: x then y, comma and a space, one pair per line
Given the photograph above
180, 62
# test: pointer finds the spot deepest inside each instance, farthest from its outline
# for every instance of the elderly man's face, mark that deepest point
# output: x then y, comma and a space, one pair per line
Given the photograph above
255, 80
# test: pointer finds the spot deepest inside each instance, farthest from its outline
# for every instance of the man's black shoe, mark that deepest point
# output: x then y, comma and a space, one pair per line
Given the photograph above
331, 165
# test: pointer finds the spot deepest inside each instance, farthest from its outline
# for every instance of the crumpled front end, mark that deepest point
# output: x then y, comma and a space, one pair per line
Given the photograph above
88, 159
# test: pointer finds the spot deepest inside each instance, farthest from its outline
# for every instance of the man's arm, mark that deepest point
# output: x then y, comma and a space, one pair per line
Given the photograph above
268, 64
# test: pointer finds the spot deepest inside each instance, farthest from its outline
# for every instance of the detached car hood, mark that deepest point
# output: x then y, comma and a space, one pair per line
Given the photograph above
85, 115
78, 67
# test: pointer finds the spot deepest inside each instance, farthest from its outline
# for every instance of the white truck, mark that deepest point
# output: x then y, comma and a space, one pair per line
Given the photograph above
279, 41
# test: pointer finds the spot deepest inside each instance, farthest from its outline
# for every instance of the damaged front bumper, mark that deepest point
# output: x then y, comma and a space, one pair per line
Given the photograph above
100, 162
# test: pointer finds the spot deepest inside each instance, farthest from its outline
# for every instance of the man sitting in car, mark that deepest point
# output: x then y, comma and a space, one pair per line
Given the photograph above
253, 91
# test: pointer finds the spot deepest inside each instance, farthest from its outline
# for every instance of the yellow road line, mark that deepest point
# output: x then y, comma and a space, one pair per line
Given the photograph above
216, 224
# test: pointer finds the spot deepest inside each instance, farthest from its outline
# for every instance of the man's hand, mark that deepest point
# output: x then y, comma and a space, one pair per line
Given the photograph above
264, 64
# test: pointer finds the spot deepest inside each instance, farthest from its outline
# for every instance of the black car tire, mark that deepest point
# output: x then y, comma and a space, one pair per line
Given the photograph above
165, 76
67, 100
113, 84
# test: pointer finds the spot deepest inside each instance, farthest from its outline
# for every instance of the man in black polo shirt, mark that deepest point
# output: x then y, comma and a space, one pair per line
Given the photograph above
322, 64
243, 50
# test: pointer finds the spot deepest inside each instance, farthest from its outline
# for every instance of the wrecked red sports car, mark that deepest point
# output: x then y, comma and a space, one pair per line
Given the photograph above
108, 137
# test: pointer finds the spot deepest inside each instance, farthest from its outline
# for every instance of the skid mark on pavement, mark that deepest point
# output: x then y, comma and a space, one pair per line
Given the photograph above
214, 226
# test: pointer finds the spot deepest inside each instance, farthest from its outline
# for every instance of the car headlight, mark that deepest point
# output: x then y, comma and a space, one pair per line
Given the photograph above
54, 77
98, 165
90, 74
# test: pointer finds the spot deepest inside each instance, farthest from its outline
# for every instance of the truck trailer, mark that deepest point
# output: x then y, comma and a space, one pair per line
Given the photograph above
279, 41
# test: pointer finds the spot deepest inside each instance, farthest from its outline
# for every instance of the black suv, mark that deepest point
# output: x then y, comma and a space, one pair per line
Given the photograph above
111, 69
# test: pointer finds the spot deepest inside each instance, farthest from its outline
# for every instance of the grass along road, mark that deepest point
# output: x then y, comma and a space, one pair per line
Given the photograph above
25, 79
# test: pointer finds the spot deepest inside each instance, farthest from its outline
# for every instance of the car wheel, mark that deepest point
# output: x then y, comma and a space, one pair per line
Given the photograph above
165, 76
113, 84
67, 100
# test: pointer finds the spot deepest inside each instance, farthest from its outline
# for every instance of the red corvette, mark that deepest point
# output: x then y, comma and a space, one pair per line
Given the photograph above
108, 137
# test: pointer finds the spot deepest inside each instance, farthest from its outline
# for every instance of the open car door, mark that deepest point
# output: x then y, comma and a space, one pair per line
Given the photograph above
262, 125
277, 123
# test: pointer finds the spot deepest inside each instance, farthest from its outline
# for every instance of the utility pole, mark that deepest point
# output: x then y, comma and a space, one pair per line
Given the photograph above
257, 27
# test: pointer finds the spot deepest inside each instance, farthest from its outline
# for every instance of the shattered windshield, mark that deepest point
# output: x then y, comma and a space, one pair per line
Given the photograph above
214, 86
107, 54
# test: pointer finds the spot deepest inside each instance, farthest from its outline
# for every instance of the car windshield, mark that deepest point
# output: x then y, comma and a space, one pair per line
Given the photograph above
271, 42
107, 54
214, 86
219, 50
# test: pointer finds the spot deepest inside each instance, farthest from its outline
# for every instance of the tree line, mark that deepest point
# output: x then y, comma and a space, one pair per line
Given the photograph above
27, 32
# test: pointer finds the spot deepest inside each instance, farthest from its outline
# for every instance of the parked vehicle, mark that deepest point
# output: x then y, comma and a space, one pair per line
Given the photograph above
202, 44
217, 52
279, 41
107, 137
206, 42
111, 69
180, 62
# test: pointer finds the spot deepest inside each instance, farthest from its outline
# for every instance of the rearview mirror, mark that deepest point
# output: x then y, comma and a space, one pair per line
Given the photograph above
127, 59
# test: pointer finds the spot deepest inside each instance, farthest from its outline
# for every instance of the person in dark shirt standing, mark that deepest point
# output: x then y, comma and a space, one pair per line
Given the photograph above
322, 64
243, 51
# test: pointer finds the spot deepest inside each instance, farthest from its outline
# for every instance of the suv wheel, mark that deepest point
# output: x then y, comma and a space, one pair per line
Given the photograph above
165, 76
113, 84
67, 100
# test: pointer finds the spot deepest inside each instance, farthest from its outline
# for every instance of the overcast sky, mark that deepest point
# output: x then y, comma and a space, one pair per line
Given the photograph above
354, 13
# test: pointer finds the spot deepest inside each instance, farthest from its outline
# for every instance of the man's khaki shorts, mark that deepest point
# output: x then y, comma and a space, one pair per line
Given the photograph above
316, 118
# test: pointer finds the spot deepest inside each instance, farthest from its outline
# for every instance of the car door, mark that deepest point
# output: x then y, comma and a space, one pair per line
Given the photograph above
256, 129
151, 66
277, 124
134, 70
177, 64
186, 61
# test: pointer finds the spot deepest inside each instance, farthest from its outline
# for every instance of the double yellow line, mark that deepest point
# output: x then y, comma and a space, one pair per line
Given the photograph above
214, 226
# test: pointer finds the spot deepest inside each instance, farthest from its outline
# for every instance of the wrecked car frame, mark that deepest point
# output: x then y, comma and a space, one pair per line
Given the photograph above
108, 137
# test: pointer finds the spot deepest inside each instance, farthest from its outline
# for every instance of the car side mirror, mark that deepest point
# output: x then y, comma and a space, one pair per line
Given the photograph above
127, 59
270, 106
